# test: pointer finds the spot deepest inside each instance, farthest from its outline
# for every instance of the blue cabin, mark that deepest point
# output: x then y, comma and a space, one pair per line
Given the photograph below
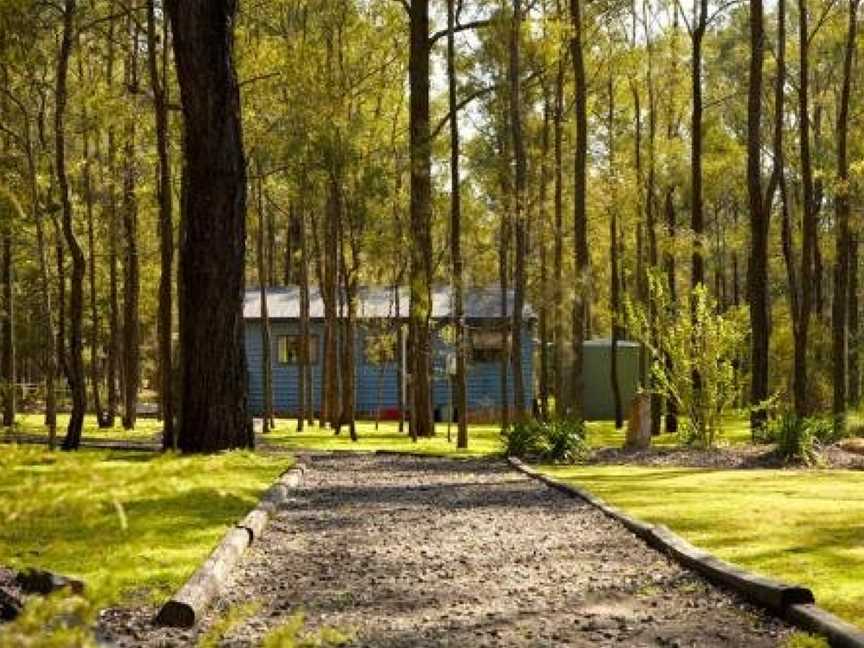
381, 332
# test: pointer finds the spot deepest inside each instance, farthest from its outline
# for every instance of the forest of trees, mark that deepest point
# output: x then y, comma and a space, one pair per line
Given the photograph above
619, 165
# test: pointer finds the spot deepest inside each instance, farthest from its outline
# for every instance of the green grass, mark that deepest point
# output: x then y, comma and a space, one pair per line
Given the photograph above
602, 434
133, 526
803, 527
482, 439
146, 429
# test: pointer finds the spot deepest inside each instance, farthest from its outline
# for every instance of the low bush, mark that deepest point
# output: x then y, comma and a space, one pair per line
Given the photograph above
797, 438
555, 441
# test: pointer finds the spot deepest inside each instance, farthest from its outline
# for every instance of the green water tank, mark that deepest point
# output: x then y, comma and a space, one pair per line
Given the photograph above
597, 371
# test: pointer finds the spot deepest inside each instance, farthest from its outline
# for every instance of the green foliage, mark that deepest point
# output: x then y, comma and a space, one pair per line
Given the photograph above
795, 438
703, 343
555, 441
804, 640
800, 439
225, 623
56, 621
290, 635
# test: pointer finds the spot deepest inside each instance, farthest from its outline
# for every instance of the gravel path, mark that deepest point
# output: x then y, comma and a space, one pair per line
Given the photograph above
403, 551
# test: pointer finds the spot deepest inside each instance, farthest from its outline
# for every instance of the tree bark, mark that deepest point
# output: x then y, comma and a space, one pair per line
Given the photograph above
304, 376
520, 238
558, 254
671, 423
131, 260
8, 367
840, 321
166, 231
615, 287
214, 411
757, 275
420, 286
582, 297
458, 316
266, 345
809, 232
76, 288
113, 359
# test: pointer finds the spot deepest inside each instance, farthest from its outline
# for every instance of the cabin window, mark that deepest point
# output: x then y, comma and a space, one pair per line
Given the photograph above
288, 349
381, 348
487, 345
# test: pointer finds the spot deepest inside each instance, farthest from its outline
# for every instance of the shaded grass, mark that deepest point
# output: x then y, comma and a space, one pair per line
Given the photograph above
802, 527
133, 526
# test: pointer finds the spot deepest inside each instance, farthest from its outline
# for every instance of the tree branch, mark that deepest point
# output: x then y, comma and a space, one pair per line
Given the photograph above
474, 24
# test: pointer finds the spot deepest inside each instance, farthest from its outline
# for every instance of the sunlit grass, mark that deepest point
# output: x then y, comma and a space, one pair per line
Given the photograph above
803, 527
482, 439
146, 429
133, 526
602, 434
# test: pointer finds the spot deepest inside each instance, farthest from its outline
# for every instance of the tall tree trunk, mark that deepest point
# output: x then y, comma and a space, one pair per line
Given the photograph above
582, 300
757, 275
520, 238
50, 366
331, 318
420, 306
854, 395
266, 360
214, 411
840, 322
131, 261
651, 205
8, 367
166, 230
110, 206
809, 233
503, 282
304, 382
461, 394
558, 254
76, 289
543, 315
614, 288
671, 423
697, 216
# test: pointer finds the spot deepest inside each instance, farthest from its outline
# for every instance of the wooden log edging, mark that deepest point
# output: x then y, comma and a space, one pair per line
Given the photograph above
188, 604
794, 603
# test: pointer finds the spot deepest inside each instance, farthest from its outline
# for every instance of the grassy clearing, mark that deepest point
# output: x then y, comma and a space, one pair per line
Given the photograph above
133, 526
799, 526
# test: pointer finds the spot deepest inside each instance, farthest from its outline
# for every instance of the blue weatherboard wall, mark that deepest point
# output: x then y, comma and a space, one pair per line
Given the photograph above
483, 380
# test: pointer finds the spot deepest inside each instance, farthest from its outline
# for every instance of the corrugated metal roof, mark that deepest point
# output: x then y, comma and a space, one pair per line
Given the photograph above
379, 302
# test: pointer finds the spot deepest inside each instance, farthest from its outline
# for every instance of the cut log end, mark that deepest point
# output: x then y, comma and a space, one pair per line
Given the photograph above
176, 614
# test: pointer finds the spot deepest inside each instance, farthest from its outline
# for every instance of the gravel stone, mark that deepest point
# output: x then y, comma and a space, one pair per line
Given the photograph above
402, 551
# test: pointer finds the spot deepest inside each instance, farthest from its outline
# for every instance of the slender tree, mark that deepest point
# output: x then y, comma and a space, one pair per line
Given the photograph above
519, 219
458, 315
582, 298
166, 226
75, 370
840, 320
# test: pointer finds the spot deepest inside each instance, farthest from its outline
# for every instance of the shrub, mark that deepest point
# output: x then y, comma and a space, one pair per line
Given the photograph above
565, 441
556, 441
698, 342
523, 440
795, 437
